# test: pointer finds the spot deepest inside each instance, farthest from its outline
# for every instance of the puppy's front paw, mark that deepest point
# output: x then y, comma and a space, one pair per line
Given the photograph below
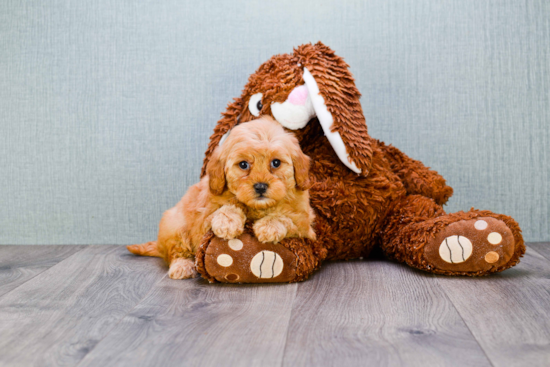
182, 268
270, 229
228, 222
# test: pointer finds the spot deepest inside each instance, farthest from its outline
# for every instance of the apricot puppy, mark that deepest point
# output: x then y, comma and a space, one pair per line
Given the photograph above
258, 173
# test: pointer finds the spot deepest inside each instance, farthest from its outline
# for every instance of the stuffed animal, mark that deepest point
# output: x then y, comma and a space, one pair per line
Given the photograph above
364, 193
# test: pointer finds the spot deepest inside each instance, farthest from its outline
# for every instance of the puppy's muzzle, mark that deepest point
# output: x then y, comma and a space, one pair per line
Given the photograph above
260, 188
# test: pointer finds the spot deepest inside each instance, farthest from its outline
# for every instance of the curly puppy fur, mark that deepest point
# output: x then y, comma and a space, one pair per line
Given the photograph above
259, 152
395, 202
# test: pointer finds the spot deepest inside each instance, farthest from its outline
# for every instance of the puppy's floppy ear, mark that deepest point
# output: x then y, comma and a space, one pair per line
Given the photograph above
301, 164
216, 172
229, 119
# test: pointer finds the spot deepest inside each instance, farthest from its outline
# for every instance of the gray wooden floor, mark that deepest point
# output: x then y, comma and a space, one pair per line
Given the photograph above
100, 306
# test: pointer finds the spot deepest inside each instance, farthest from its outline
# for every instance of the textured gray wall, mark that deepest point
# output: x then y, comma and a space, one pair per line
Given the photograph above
106, 106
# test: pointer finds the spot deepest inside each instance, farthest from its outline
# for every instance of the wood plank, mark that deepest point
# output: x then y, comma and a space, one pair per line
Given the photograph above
508, 313
18, 264
193, 323
377, 313
543, 248
56, 318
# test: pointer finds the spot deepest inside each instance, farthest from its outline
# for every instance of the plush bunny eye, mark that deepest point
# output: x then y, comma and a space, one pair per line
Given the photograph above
244, 165
275, 163
255, 104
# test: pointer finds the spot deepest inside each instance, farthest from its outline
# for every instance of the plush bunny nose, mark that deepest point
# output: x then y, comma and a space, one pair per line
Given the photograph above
296, 111
298, 96
260, 187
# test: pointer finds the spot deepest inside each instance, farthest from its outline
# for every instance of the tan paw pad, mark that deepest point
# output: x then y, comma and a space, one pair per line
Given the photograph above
455, 249
235, 244
480, 225
266, 264
492, 257
225, 260
232, 277
494, 238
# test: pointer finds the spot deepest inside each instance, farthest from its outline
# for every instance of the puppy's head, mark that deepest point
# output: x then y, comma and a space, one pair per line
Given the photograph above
259, 163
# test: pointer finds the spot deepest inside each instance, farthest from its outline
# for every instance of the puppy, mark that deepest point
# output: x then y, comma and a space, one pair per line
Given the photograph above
259, 173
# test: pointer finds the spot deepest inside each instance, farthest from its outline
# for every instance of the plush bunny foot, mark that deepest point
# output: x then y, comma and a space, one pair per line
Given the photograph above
475, 245
246, 260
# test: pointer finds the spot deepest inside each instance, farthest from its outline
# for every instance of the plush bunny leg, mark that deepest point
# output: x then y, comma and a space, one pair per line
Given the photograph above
419, 232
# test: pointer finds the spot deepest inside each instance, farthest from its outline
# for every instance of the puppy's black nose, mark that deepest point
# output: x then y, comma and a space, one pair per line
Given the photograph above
260, 187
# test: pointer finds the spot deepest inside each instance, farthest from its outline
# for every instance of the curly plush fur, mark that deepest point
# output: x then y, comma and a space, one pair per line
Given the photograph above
395, 202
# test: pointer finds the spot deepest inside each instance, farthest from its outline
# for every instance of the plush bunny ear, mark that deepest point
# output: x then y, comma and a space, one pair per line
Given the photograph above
230, 118
335, 99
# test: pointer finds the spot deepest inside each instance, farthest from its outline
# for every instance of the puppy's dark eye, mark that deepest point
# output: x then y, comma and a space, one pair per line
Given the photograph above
259, 105
244, 165
275, 163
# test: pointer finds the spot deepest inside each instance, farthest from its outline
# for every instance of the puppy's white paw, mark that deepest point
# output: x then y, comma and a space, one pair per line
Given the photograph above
182, 268
271, 229
228, 222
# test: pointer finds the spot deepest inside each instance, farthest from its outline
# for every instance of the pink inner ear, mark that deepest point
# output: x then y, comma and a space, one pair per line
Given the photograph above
298, 96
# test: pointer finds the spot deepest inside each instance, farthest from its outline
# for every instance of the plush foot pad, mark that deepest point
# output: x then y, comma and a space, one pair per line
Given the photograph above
474, 245
246, 260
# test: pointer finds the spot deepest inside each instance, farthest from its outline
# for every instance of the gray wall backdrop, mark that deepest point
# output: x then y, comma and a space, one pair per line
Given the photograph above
106, 107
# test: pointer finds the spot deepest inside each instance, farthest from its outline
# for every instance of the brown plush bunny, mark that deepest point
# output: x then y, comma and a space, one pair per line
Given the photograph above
364, 193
